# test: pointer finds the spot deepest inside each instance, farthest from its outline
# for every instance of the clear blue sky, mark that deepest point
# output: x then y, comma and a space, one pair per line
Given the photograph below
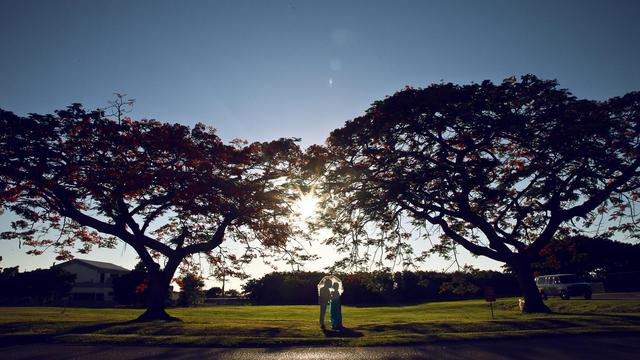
266, 69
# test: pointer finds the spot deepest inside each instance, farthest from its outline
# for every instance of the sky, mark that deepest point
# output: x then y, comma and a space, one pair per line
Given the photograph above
260, 70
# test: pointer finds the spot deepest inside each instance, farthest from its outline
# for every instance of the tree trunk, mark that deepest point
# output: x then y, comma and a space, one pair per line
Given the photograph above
223, 281
157, 294
532, 299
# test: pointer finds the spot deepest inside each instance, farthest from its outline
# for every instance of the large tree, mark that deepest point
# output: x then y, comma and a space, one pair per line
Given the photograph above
80, 179
499, 169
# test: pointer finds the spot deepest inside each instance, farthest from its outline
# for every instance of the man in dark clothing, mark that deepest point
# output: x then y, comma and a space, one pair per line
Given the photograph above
323, 300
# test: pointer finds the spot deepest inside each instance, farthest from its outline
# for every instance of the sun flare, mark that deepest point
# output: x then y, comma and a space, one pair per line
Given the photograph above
306, 206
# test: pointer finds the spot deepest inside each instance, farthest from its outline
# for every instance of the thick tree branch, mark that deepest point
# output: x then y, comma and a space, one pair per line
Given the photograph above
214, 242
179, 240
533, 250
473, 248
69, 210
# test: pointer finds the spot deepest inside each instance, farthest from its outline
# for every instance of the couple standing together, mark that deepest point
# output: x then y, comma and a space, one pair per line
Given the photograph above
329, 295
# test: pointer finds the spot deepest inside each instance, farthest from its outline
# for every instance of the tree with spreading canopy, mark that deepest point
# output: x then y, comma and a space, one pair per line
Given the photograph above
79, 179
500, 169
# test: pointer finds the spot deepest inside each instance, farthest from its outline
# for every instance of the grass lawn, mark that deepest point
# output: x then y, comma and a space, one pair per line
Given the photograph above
298, 325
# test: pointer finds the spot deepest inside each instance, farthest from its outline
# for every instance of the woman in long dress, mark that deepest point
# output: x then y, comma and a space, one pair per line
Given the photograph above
335, 308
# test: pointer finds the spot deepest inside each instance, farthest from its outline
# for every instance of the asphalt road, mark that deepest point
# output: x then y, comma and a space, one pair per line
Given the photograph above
542, 348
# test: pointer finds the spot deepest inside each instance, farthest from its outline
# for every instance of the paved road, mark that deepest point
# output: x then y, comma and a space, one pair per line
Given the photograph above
566, 347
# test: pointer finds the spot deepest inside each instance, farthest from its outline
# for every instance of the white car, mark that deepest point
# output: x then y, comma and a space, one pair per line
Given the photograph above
563, 285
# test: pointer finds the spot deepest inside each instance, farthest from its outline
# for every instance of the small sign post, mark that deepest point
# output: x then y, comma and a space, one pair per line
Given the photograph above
490, 297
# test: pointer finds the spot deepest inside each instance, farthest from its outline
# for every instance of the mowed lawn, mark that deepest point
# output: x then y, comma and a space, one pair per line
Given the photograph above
298, 325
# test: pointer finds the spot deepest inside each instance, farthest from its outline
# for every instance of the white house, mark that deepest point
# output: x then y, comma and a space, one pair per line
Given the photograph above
94, 281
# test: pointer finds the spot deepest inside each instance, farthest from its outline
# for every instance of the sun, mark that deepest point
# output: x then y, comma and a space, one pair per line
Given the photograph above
306, 206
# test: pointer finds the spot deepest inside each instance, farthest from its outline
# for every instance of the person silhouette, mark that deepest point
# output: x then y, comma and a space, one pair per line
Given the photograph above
335, 312
324, 296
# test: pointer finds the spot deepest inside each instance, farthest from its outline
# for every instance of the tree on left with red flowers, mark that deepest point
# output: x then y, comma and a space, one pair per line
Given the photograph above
77, 179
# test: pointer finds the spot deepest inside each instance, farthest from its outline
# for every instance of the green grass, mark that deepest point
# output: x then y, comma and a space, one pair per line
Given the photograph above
298, 325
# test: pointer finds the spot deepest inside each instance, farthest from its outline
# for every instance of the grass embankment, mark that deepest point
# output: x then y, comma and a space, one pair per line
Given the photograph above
298, 325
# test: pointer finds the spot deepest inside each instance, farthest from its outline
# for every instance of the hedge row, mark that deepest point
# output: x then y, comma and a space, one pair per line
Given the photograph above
380, 287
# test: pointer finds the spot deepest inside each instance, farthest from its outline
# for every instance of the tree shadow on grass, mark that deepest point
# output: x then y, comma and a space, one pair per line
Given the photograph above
391, 304
343, 332
631, 318
267, 332
44, 337
97, 327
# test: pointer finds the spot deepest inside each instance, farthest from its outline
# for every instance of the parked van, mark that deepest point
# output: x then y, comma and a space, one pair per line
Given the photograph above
563, 285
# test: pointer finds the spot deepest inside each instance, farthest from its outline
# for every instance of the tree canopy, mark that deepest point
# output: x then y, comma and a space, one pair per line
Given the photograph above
499, 169
78, 179
191, 289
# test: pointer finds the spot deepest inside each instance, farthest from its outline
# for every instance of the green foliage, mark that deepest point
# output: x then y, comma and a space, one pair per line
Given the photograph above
284, 288
40, 286
232, 293
584, 255
130, 288
613, 263
380, 287
213, 292
459, 285
191, 293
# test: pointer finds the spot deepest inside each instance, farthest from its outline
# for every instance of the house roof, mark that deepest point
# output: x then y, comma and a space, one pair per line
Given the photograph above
99, 265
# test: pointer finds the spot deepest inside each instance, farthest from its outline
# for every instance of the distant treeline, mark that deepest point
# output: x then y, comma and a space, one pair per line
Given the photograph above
615, 264
381, 287
37, 287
